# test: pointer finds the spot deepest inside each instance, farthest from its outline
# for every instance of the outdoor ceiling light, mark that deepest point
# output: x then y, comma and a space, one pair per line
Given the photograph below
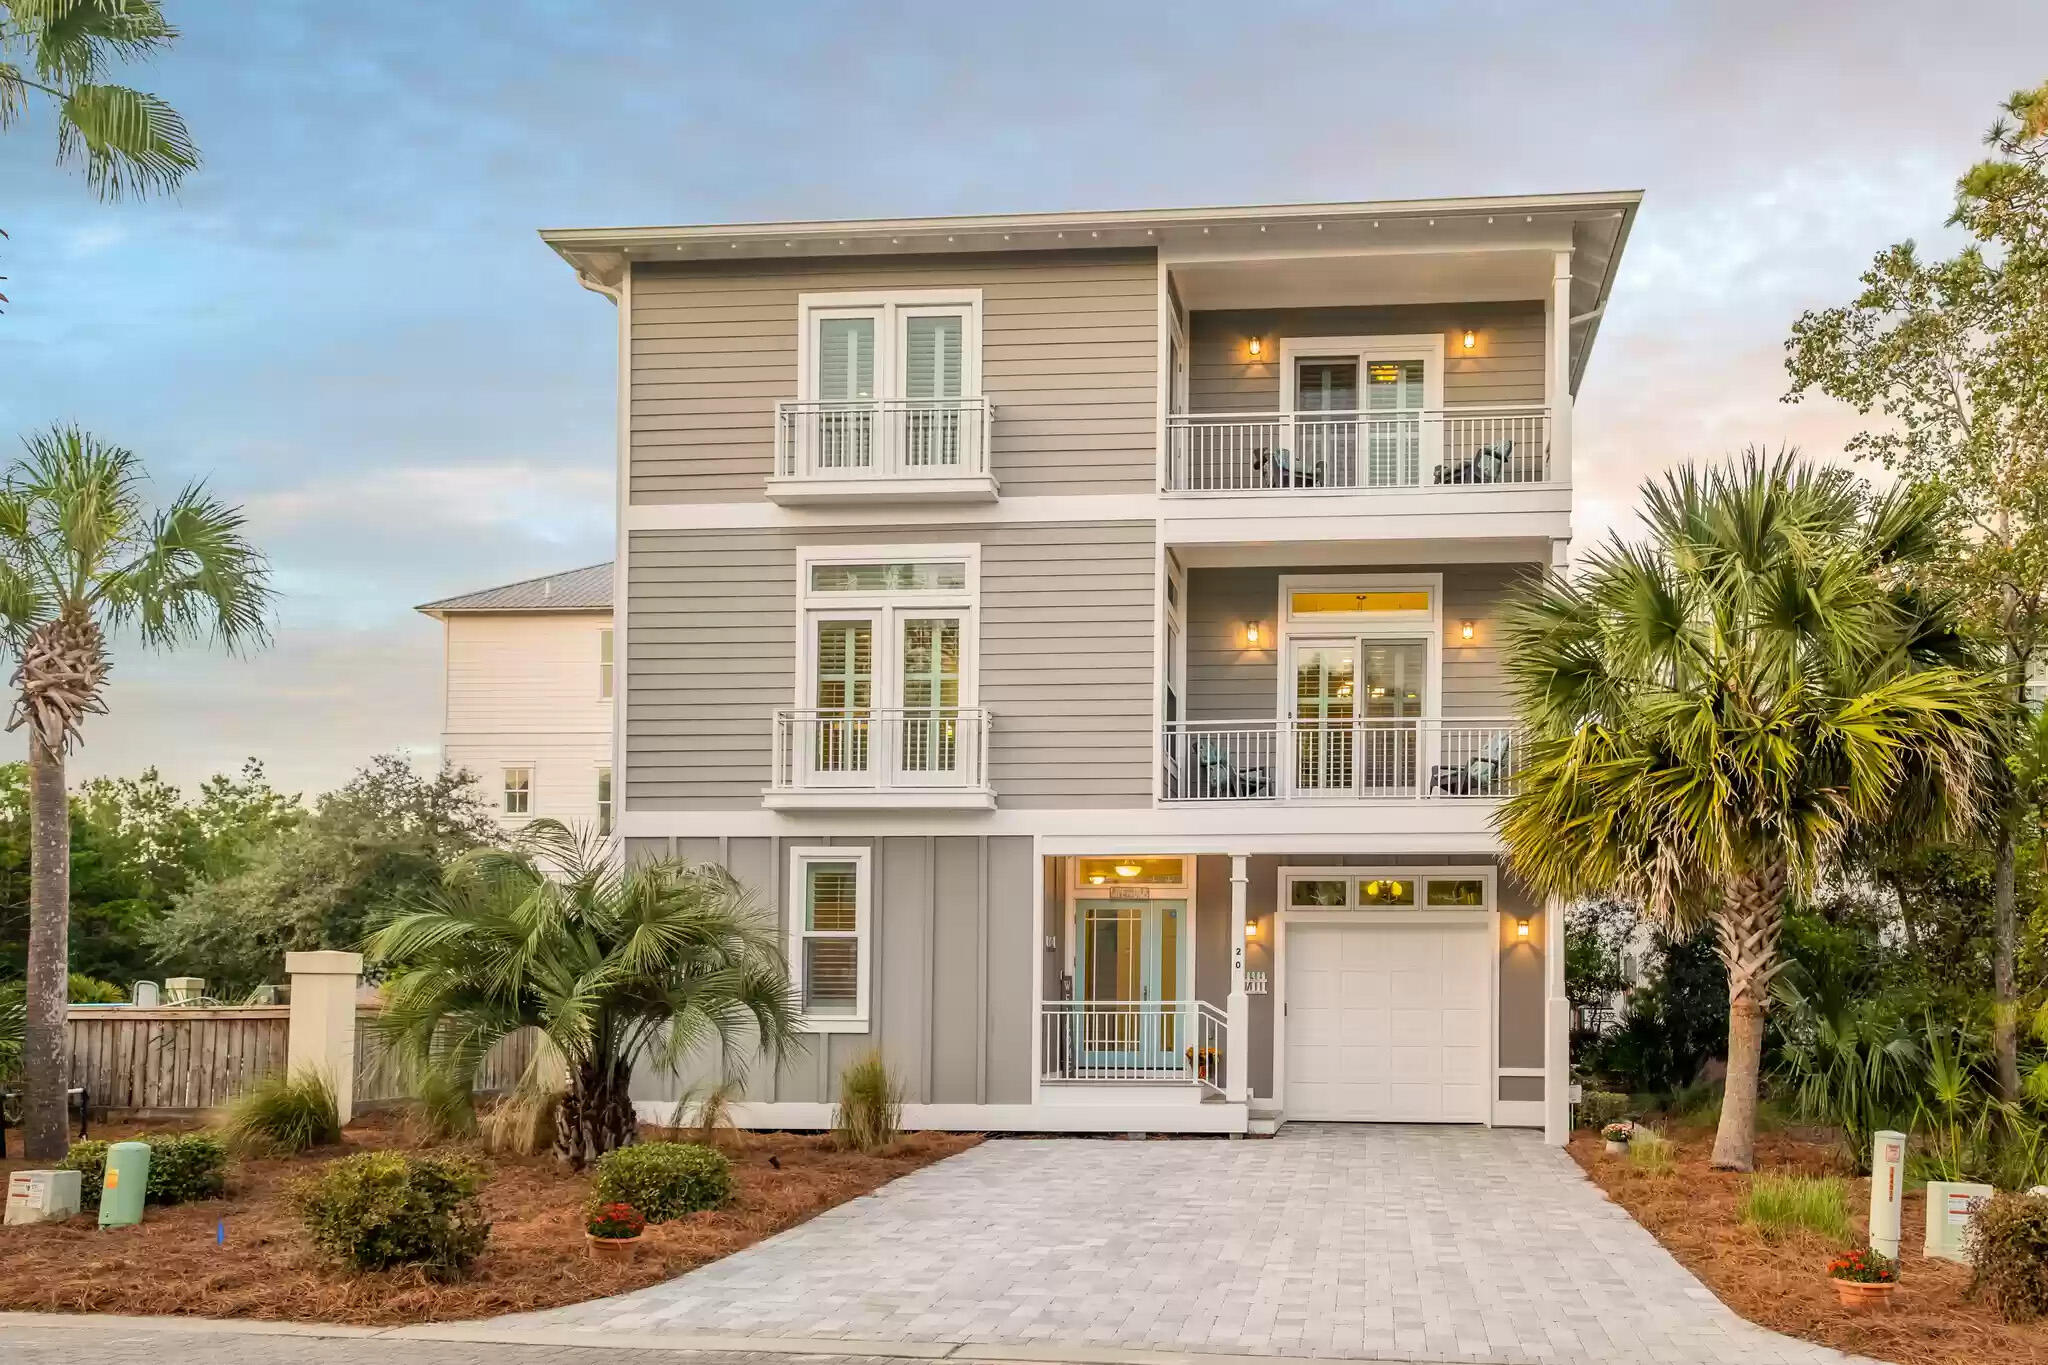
1128, 869
1467, 629
1470, 339
1096, 879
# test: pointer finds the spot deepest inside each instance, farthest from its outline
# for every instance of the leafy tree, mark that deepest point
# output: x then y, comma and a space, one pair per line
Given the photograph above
1675, 1021
81, 552
319, 880
1954, 355
1714, 710
652, 962
1597, 935
127, 141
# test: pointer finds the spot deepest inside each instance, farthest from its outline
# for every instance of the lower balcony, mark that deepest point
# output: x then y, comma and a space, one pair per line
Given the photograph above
1338, 760
916, 759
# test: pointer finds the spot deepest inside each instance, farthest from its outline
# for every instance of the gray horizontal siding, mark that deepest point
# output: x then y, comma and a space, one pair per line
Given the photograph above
1065, 660
1069, 358
1506, 366
950, 999
1229, 682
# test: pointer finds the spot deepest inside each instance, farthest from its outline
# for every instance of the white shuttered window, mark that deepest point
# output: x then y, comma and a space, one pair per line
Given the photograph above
828, 915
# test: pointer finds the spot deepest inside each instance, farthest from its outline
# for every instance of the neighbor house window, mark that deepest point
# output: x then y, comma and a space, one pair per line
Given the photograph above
604, 664
604, 800
519, 791
829, 912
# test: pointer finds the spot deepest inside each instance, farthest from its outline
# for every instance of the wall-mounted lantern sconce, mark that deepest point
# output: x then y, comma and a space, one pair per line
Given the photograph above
1251, 635
1251, 928
1467, 629
1256, 347
1471, 339
1521, 928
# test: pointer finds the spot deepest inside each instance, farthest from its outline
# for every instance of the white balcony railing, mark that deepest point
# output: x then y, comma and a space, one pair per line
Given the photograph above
1337, 760
1254, 452
883, 438
1129, 1041
936, 749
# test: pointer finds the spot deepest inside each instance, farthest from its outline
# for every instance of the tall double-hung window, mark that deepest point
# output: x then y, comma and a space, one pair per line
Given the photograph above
888, 686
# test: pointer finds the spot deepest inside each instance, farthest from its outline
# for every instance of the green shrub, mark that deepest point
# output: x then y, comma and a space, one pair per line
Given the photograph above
90, 990
377, 1210
443, 1105
282, 1115
2008, 1246
1779, 1204
663, 1180
870, 1112
182, 1167
1650, 1152
1598, 1108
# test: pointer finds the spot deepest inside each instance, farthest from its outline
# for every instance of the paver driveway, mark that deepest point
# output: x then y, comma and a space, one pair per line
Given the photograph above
1376, 1242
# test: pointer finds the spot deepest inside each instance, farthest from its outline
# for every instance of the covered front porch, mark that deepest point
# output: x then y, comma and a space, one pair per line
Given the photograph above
1188, 990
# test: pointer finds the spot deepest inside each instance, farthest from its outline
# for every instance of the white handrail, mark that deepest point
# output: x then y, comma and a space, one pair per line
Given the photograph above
904, 749
1134, 1041
1345, 758
883, 438
1473, 443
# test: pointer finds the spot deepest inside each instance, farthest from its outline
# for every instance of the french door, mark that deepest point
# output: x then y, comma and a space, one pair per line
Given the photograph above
890, 715
1129, 976
1357, 706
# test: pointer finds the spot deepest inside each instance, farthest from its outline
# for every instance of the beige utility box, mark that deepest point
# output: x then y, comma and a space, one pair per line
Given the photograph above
1950, 1206
42, 1196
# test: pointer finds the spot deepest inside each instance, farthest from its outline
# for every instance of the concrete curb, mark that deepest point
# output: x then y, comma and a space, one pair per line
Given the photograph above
1038, 1353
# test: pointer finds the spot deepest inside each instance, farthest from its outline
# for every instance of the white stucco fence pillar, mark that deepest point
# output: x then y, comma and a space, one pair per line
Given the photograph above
322, 1037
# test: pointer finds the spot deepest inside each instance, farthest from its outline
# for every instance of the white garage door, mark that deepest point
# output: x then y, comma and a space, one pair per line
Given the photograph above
1387, 1022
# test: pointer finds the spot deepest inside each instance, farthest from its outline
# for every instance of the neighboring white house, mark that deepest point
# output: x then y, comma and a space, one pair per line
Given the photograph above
526, 686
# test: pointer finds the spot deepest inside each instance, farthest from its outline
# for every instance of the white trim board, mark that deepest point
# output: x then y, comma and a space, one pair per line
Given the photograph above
1403, 826
1215, 1117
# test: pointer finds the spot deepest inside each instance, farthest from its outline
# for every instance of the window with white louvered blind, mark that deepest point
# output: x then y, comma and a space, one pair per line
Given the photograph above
906, 347
829, 910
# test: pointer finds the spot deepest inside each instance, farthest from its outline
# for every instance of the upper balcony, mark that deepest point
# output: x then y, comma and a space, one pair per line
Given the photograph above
882, 450
1475, 444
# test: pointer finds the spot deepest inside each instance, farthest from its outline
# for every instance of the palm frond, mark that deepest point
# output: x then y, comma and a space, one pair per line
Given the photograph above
128, 142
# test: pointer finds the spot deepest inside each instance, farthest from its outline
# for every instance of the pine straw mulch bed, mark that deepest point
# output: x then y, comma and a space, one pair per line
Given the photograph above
1782, 1284
536, 1257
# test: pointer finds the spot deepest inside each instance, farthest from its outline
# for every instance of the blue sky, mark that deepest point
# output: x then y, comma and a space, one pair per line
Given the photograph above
346, 322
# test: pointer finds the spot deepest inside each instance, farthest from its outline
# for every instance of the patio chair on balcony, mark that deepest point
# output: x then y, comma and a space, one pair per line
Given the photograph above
1218, 774
1282, 468
1488, 464
1482, 775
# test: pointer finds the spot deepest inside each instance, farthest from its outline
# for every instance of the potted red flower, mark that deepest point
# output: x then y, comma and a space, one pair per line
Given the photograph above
1864, 1280
613, 1232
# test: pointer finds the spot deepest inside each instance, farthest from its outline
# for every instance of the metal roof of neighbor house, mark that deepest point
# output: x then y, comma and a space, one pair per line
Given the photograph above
585, 589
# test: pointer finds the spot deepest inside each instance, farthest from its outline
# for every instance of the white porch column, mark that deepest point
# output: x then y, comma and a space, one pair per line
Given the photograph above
1557, 1029
1238, 1047
1557, 371
321, 1036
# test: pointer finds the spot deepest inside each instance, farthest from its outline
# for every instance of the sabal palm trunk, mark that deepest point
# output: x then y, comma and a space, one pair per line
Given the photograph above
1746, 930
2005, 1047
49, 951
596, 1114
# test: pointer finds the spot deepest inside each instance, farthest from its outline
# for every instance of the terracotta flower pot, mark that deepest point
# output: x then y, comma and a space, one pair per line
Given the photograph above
613, 1248
1864, 1298
1616, 1148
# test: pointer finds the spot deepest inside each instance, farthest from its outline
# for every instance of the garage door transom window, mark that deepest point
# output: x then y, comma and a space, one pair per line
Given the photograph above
1387, 891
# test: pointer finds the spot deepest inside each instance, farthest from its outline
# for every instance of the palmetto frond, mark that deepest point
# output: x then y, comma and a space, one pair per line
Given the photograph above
127, 141
653, 963
1743, 690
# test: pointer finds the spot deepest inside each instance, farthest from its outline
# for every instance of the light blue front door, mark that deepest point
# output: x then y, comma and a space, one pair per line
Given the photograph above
1129, 976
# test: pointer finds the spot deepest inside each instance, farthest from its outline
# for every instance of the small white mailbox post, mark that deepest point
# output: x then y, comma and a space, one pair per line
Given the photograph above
1887, 1191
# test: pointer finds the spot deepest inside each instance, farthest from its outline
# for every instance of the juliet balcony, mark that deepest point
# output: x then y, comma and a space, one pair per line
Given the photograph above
932, 450
918, 758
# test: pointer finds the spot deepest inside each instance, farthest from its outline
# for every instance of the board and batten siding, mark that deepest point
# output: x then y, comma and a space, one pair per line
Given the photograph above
523, 688
950, 990
1505, 366
1069, 358
1065, 660
1226, 681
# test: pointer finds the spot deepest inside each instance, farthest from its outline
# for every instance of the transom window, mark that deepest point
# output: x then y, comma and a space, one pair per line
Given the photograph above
828, 918
1390, 890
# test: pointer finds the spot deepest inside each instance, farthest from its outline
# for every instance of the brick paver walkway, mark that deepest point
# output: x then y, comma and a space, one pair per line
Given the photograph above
1374, 1242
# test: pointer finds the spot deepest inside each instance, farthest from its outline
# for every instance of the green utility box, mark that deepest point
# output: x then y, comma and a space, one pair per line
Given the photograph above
127, 1180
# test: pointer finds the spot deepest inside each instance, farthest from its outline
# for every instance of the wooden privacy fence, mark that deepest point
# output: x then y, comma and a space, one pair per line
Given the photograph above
379, 1080
172, 1059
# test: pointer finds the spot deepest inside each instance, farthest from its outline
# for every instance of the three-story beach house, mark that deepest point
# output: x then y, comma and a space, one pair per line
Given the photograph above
1081, 632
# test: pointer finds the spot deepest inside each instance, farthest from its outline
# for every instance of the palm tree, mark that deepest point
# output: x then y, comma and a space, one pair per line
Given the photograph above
81, 553
615, 966
1714, 711
128, 141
